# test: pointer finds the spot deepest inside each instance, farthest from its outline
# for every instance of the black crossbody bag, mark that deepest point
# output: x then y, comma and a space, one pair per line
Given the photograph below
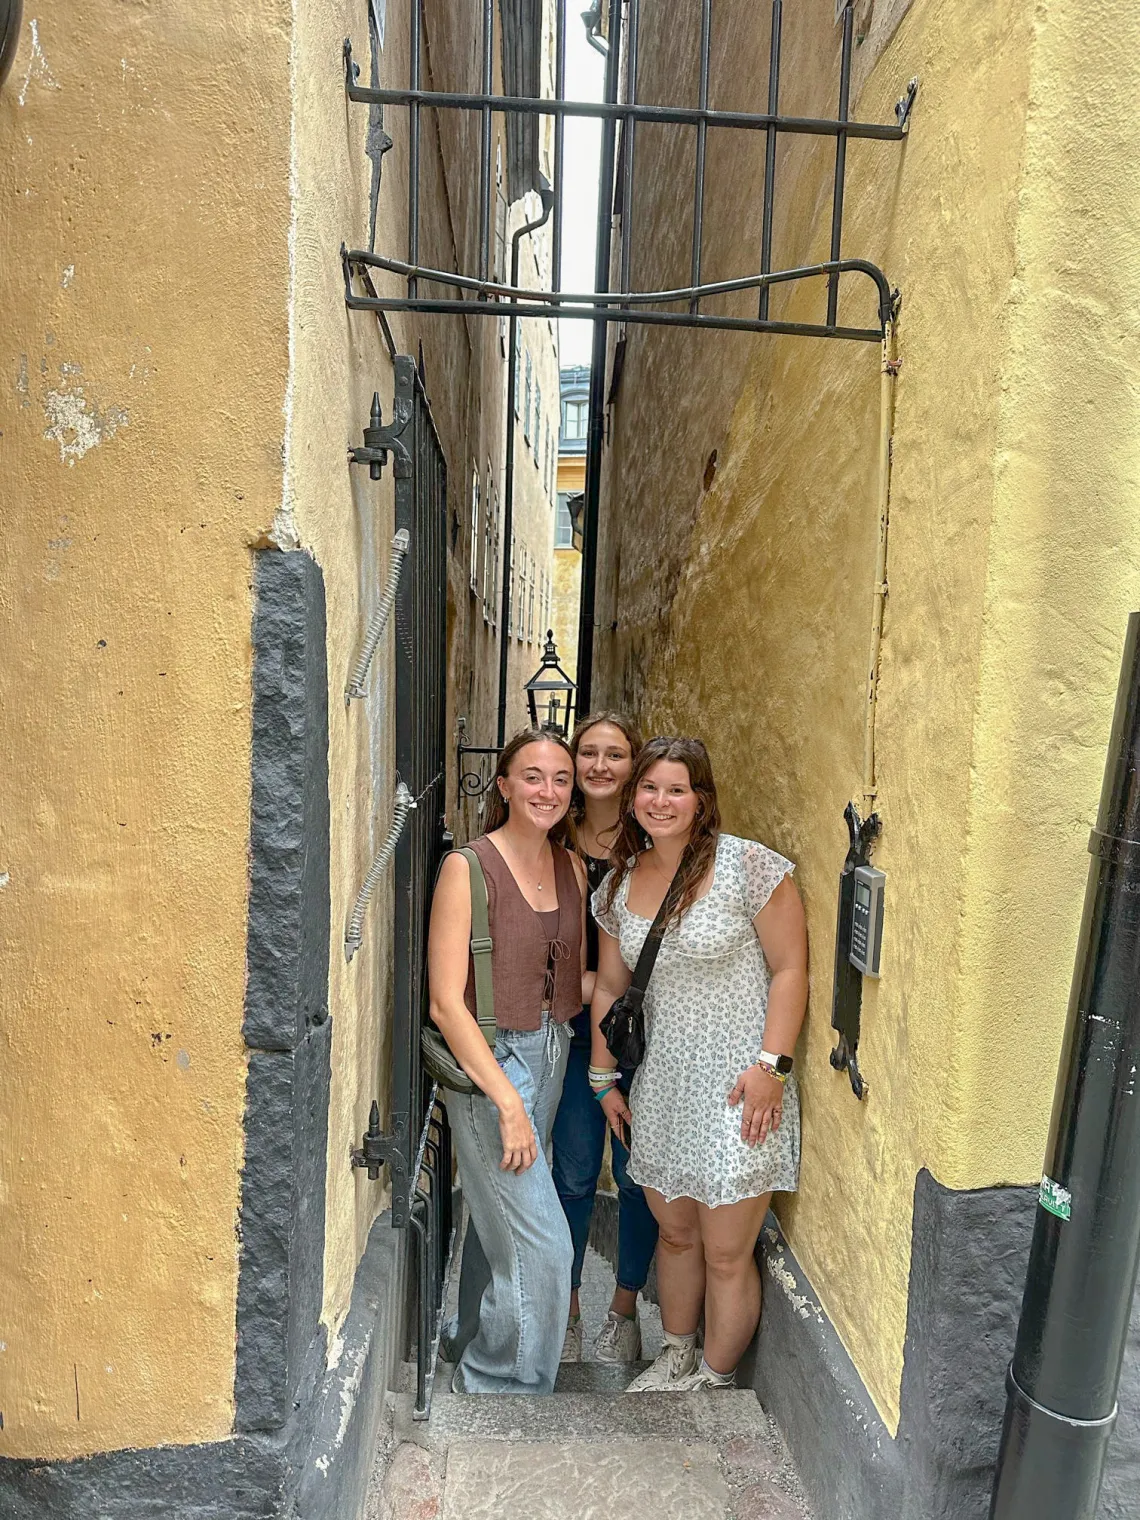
623, 1028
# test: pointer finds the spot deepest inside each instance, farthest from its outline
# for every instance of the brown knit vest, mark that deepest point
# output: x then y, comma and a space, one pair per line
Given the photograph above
522, 944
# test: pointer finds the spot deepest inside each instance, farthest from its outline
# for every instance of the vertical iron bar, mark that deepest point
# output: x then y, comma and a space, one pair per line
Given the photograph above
627, 141
772, 138
597, 424
702, 140
840, 161
416, 9
559, 136
485, 142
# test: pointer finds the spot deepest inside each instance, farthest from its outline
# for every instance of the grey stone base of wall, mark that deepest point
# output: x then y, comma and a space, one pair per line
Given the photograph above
315, 1468
968, 1262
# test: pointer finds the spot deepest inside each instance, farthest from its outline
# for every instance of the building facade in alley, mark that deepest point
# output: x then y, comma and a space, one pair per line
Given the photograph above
738, 532
202, 1297
574, 389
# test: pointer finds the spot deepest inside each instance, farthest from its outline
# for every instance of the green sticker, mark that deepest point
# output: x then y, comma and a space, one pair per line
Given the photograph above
1055, 1198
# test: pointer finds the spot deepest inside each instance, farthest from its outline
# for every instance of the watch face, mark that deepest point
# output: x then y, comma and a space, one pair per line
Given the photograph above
784, 1064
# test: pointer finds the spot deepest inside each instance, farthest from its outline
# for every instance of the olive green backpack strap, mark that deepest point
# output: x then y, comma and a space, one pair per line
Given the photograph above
481, 947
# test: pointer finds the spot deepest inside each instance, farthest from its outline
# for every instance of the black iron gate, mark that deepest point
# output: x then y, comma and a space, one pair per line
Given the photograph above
417, 1146
424, 1202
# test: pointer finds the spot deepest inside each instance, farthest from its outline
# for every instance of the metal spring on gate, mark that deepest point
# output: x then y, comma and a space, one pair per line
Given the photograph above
379, 619
353, 935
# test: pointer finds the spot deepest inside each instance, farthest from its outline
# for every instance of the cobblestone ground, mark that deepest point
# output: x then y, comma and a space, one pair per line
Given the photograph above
589, 1453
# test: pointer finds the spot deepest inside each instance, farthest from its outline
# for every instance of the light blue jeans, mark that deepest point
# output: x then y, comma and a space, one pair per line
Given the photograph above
514, 1285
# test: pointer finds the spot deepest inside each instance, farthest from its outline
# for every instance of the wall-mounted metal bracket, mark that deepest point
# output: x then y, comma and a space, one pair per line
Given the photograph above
473, 783
379, 441
847, 996
905, 103
378, 1149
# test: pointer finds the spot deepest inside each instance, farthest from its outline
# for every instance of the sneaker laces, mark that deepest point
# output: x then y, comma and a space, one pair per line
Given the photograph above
607, 1339
676, 1357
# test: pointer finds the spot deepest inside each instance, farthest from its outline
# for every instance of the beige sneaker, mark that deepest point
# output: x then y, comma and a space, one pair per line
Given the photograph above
678, 1359
572, 1342
619, 1339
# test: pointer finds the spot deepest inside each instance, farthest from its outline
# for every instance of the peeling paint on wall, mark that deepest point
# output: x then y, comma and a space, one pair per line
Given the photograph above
37, 66
76, 424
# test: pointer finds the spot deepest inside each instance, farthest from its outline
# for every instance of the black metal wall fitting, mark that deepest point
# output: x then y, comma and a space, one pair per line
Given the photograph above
378, 1150
380, 441
11, 17
847, 991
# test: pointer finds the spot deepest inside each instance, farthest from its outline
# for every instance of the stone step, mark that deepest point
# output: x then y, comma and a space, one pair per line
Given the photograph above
597, 1377
578, 1416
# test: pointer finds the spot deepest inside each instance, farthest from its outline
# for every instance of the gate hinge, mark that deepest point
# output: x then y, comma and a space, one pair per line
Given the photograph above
380, 440
379, 1149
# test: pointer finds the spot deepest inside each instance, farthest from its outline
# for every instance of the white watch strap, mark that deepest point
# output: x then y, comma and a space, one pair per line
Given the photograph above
766, 1058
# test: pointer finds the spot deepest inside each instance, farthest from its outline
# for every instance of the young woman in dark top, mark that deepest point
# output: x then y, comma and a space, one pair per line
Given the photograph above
604, 747
514, 1287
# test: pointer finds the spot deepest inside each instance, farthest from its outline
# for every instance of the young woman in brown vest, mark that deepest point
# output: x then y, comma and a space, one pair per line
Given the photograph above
514, 1288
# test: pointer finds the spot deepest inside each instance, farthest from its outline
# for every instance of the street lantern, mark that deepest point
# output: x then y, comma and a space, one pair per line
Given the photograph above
550, 692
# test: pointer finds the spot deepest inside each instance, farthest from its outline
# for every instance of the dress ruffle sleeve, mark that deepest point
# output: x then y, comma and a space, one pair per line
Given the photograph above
609, 921
761, 872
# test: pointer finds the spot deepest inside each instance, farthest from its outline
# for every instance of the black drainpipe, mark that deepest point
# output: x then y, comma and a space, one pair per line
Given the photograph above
509, 485
1086, 1237
596, 434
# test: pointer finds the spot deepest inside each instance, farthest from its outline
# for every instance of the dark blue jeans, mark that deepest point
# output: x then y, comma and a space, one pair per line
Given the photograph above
579, 1141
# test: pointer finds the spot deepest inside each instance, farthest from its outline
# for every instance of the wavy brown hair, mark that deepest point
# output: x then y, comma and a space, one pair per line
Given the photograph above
625, 726
632, 840
498, 811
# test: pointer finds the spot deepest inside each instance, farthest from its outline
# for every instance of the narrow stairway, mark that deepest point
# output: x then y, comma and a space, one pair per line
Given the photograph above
592, 1452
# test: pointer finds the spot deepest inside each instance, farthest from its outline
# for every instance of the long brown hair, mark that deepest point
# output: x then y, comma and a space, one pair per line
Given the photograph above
632, 735
632, 840
498, 810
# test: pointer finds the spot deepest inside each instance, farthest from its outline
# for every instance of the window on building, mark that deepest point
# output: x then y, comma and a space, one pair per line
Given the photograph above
575, 417
546, 618
520, 610
526, 402
488, 544
537, 418
563, 523
496, 561
530, 603
475, 529
511, 624
518, 367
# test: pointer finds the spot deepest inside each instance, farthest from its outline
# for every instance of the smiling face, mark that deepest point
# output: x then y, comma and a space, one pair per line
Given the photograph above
538, 784
605, 759
665, 804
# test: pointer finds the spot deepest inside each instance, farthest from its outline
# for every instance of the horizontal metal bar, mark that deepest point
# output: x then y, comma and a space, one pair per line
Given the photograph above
610, 314
495, 296
625, 111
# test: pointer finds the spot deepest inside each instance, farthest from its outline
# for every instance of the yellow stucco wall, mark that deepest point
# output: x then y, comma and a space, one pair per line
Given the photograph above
743, 612
141, 455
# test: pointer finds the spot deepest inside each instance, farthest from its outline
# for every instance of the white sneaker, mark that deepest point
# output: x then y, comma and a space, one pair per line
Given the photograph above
679, 1358
619, 1339
572, 1342
702, 1378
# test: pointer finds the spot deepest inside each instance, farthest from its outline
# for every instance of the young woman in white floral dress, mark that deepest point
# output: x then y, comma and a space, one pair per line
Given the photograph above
713, 1110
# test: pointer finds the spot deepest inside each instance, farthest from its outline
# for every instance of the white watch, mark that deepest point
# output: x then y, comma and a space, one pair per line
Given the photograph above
781, 1066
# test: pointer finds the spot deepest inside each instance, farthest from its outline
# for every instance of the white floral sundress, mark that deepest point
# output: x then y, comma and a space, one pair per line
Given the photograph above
704, 1017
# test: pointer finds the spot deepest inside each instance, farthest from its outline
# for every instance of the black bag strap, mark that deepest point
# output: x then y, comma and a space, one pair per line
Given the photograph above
481, 947
645, 961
